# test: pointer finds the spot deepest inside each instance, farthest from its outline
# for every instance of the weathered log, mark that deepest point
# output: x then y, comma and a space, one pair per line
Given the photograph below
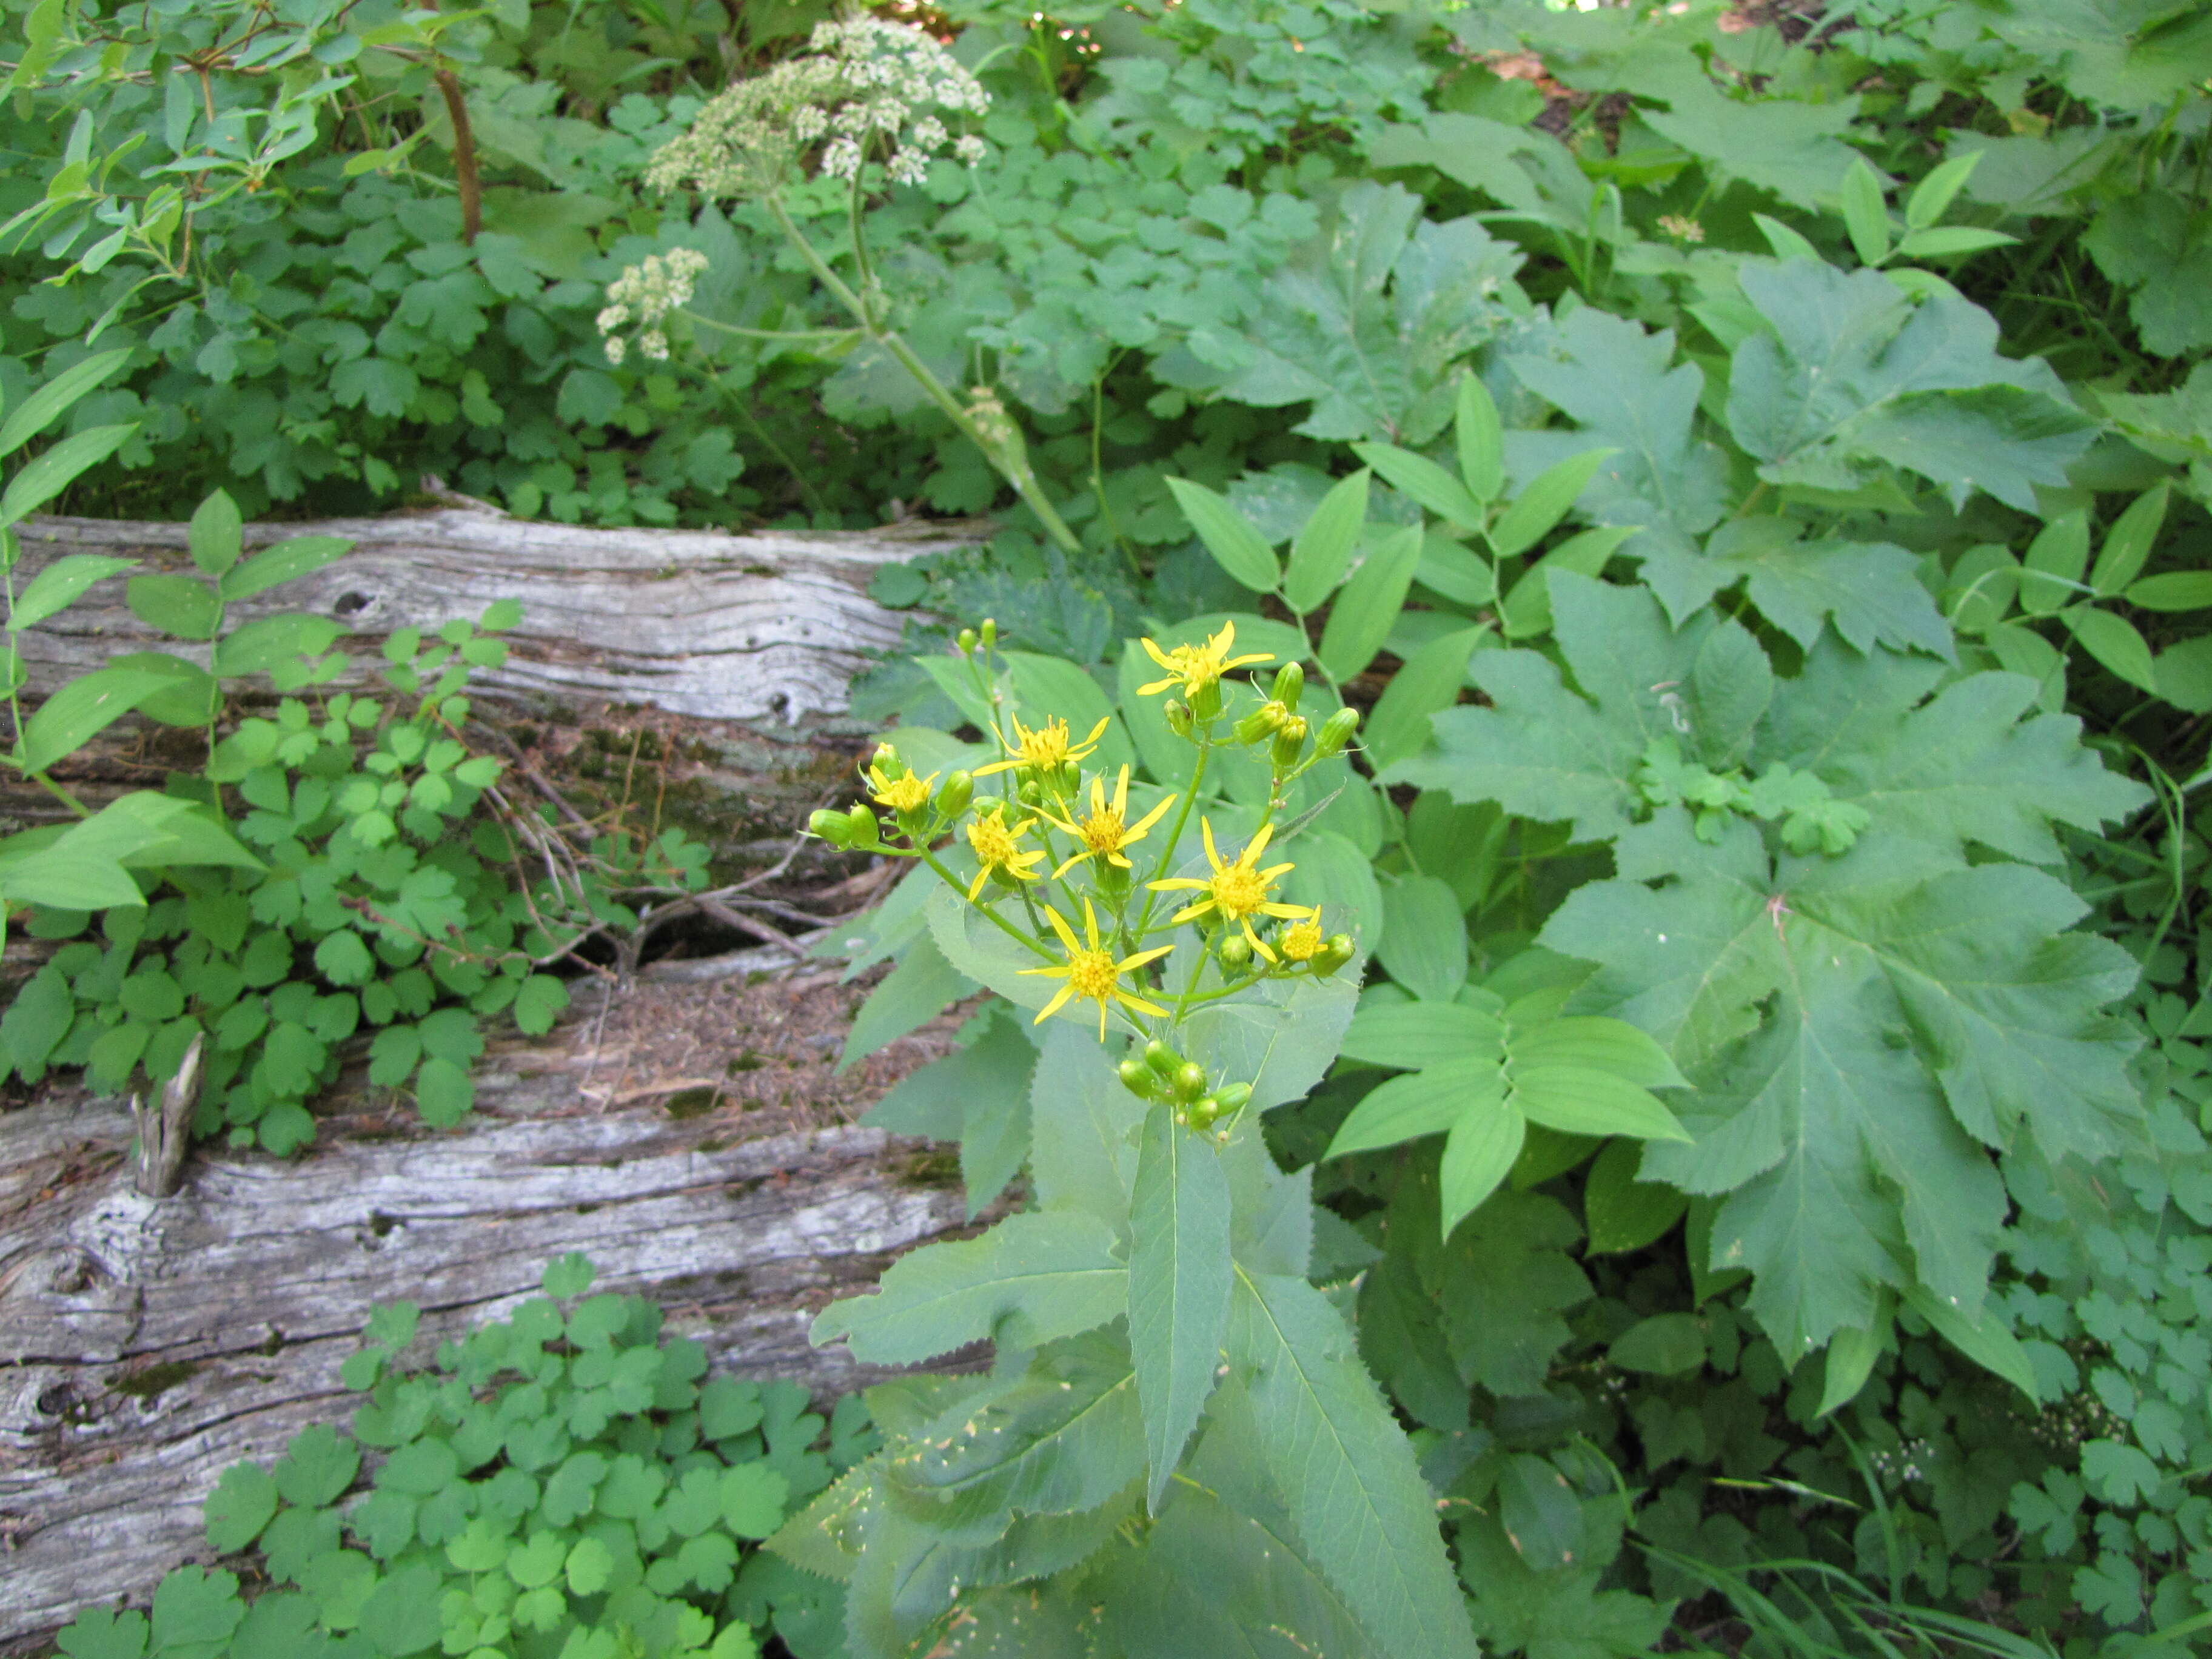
692, 1140
768, 624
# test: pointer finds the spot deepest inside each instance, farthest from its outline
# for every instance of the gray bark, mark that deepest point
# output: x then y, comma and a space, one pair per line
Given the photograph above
766, 625
148, 1344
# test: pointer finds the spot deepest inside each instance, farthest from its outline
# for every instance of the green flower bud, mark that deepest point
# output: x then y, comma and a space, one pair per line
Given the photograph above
1178, 716
990, 634
1205, 701
1189, 1080
1139, 1079
1071, 777
1232, 1096
833, 827
1336, 732
886, 758
1203, 1111
1290, 684
1161, 1058
1290, 744
1259, 725
954, 794
1336, 951
966, 640
1236, 951
867, 832
1029, 794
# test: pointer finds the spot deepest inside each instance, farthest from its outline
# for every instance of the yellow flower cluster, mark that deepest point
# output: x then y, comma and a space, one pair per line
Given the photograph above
1061, 840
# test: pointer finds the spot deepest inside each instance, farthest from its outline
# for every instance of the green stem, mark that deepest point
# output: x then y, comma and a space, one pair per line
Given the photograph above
997, 920
1175, 836
1017, 473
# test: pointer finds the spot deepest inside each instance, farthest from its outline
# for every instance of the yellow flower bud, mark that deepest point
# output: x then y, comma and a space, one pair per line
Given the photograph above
1161, 1058
1236, 951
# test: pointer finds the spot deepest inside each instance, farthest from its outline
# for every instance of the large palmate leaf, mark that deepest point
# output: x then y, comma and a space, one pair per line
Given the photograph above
1369, 330
1851, 378
2155, 246
1862, 1023
1869, 592
1610, 376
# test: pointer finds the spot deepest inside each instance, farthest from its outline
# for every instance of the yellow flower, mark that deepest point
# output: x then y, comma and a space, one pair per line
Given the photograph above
1236, 891
1091, 972
998, 847
1105, 831
907, 795
1196, 666
1302, 940
1045, 747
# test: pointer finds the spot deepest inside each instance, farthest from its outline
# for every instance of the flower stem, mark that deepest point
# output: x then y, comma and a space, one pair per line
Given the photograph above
1014, 469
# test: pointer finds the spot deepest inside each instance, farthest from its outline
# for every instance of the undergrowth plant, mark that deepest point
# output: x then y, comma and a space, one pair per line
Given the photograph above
391, 891
564, 1481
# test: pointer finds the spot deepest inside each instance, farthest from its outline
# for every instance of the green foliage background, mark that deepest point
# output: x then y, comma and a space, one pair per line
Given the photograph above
1807, 670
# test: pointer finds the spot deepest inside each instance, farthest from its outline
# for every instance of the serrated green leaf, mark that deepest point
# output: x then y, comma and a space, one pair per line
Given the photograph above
1372, 333
1854, 377
1178, 1286
1616, 382
1031, 1278
1664, 1343
1345, 1472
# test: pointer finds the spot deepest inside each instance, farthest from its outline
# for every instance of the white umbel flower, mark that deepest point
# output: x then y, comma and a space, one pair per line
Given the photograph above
645, 294
869, 88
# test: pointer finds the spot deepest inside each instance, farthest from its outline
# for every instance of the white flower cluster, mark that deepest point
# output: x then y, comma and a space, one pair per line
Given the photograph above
645, 294
862, 80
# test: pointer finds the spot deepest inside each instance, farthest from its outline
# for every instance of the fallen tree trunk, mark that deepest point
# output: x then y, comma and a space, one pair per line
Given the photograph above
692, 1140
766, 625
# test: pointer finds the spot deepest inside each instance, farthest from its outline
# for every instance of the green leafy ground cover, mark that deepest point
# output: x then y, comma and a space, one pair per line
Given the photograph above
1752, 483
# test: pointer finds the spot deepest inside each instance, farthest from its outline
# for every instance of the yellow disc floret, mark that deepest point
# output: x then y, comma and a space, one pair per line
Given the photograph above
1237, 890
909, 793
1302, 940
1044, 748
1194, 667
1105, 831
1090, 971
998, 850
